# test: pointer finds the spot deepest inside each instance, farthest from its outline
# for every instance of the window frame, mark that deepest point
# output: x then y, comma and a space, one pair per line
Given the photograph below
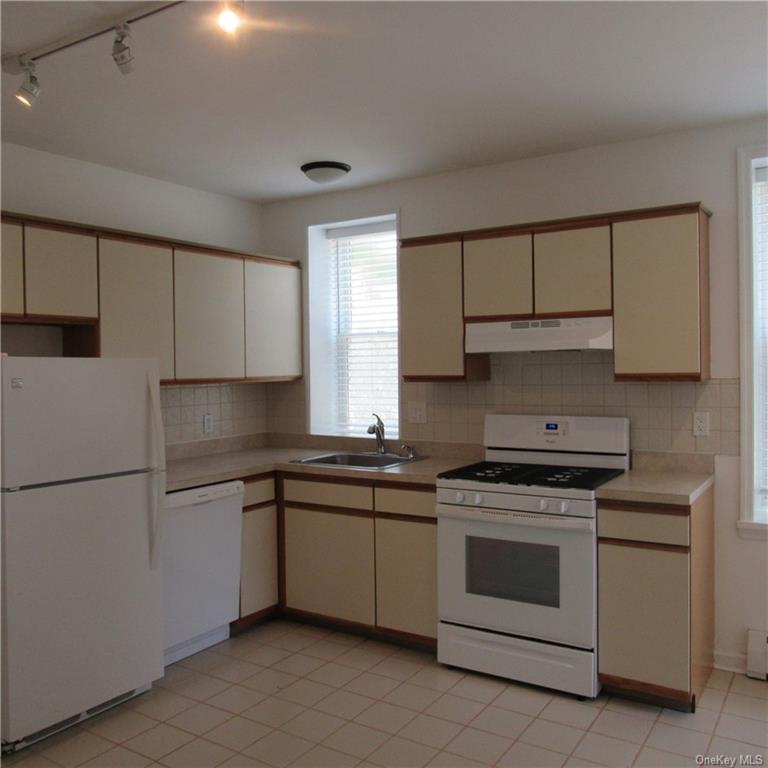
747, 525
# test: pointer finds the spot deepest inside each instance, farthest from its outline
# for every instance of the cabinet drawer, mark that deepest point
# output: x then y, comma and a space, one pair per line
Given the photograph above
406, 502
653, 527
329, 494
259, 491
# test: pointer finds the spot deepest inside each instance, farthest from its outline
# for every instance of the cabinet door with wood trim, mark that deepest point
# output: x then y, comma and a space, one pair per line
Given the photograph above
498, 277
272, 320
660, 296
431, 315
644, 615
329, 564
406, 576
572, 269
209, 316
12, 274
61, 273
136, 287
258, 569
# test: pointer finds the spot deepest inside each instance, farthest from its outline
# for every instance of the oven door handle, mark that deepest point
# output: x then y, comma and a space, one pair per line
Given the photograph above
523, 519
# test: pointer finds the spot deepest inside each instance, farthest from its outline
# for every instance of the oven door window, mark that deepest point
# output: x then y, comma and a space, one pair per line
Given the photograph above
513, 570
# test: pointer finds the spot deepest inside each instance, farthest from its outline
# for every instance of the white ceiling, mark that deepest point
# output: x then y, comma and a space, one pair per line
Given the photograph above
396, 89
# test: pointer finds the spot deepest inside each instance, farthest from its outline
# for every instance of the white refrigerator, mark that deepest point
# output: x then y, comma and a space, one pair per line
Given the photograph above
83, 479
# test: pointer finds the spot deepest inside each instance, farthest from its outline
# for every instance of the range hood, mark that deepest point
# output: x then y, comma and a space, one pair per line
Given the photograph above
535, 335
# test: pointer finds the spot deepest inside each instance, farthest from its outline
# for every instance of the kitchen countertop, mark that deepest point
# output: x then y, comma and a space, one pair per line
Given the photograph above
219, 467
656, 487
653, 487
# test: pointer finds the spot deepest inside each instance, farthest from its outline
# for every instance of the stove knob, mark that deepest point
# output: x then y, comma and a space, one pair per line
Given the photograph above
478, 498
543, 504
459, 497
563, 507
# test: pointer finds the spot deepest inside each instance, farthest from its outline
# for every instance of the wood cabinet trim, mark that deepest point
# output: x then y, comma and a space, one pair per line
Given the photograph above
259, 476
406, 518
497, 318
136, 237
244, 623
647, 507
704, 299
652, 693
213, 380
316, 478
644, 545
554, 225
260, 505
49, 319
657, 376
406, 486
327, 509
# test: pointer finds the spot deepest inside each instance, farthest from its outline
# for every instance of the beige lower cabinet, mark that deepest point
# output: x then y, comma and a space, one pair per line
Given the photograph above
644, 614
258, 569
431, 311
406, 576
136, 288
209, 310
661, 297
656, 600
61, 273
12, 275
272, 319
329, 564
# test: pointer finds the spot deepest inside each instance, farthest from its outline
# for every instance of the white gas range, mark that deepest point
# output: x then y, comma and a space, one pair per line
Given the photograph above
517, 571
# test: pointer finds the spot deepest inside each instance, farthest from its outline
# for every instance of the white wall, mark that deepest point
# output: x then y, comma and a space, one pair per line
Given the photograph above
672, 168
42, 184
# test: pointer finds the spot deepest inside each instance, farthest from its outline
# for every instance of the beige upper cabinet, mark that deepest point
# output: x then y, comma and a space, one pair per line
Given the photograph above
136, 288
12, 275
661, 297
61, 273
572, 270
498, 277
209, 316
272, 320
431, 317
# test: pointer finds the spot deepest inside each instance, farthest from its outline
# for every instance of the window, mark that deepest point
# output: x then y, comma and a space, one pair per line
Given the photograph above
353, 327
753, 173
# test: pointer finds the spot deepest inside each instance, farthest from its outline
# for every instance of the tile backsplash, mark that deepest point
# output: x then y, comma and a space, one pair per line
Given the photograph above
579, 383
567, 383
237, 409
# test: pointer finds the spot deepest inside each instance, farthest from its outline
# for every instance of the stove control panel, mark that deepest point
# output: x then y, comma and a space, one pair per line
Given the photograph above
557, 428
519, 502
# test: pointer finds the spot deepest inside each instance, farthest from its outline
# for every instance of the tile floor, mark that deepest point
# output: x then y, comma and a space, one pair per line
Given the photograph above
288, 694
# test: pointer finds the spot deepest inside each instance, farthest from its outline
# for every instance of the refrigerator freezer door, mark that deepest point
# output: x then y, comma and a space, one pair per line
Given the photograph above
81, 608
68, 418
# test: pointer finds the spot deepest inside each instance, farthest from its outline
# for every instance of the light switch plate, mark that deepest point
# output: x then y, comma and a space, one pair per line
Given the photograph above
417, 412
700, 423
208, 423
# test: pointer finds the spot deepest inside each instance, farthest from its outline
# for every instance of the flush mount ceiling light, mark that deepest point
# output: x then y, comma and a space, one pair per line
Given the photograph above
325, 171
30, 88
229, 20
121, 50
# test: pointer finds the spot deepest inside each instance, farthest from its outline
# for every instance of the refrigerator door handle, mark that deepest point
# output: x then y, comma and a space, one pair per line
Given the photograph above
156, 517
157, 423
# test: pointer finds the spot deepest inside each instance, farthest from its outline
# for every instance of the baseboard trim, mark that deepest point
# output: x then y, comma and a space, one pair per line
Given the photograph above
731, 662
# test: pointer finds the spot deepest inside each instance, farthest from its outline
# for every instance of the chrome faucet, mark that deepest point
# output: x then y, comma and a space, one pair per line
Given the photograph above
377, 428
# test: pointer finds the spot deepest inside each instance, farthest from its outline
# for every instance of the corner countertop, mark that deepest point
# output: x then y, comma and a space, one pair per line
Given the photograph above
220, 467
656, 487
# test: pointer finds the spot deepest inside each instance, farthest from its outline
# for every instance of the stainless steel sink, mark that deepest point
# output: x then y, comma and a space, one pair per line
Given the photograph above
357, 460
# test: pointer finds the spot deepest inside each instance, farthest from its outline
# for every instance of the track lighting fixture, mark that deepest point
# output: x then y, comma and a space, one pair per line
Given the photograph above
121, 51
30, 88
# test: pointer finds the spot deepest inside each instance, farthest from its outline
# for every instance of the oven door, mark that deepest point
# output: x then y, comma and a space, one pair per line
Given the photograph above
518, 573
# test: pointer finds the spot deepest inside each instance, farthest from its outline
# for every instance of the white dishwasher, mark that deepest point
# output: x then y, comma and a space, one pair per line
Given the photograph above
200, 561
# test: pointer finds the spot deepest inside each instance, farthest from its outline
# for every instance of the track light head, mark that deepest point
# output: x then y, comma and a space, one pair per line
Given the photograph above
30, 88
229, 20
121, 51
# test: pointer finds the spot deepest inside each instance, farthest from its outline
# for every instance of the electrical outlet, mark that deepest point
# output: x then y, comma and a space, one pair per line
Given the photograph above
700, 423
417, 412
208, 423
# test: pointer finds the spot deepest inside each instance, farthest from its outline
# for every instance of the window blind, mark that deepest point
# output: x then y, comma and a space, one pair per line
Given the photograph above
760, 336
364, 328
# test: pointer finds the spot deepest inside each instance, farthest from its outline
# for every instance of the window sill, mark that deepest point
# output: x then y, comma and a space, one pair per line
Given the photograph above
752, 529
